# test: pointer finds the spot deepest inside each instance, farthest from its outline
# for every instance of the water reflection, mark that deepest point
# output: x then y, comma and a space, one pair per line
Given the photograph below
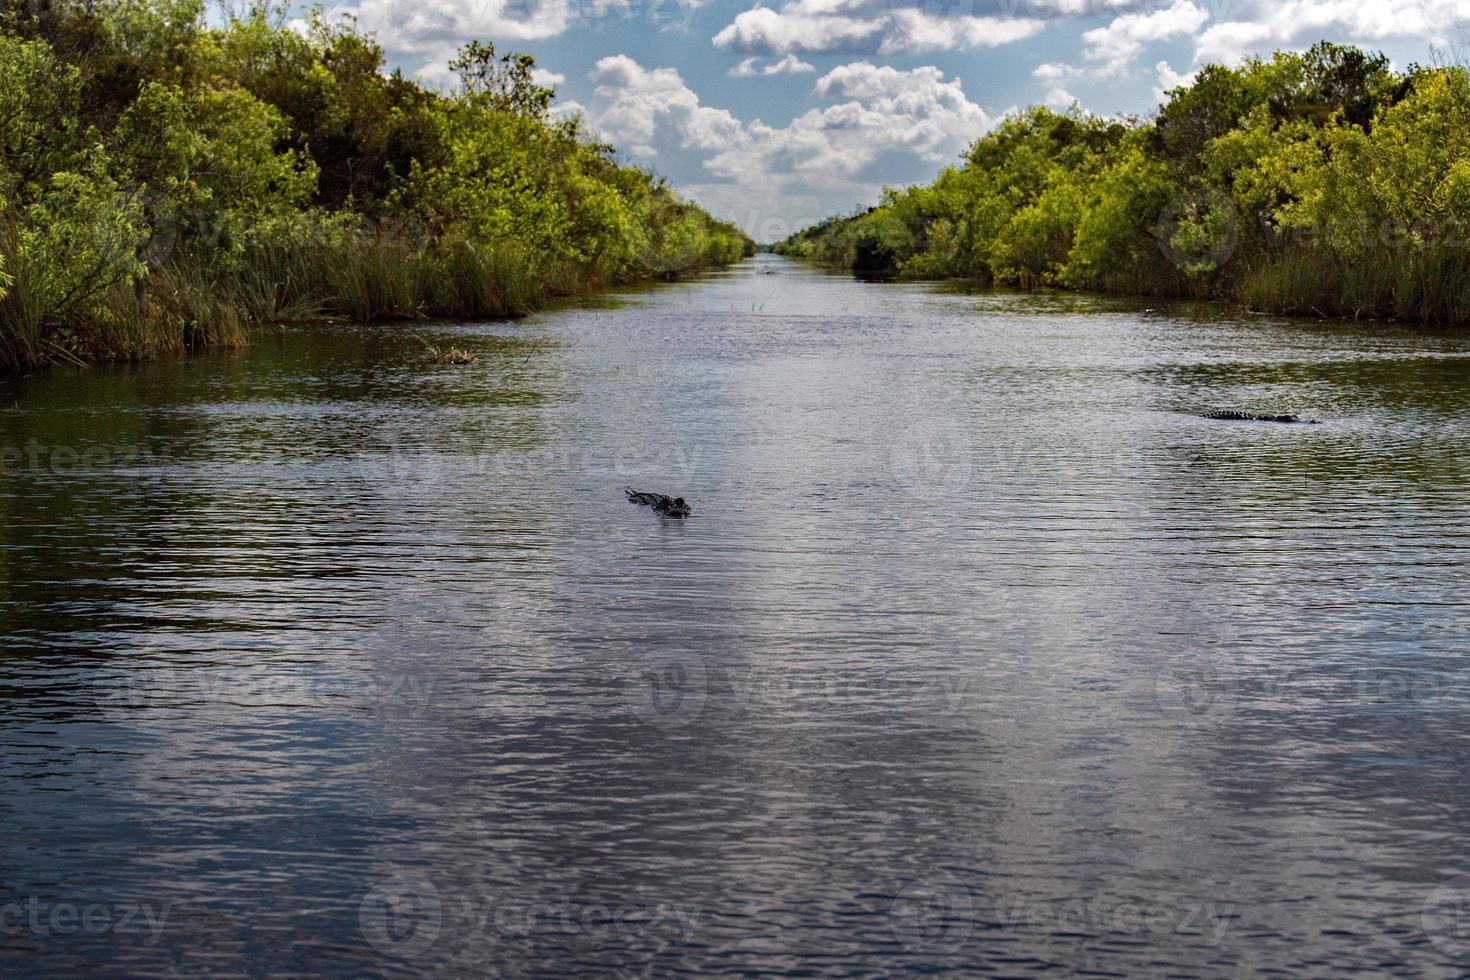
980, 651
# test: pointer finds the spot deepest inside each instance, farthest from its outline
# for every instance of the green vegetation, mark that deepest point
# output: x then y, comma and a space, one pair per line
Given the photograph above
1320, 183
166, 183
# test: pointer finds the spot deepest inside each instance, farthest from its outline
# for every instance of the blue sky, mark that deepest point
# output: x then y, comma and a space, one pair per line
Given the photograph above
776, 113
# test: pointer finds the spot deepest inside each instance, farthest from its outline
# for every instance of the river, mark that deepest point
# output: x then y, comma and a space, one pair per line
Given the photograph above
980, 651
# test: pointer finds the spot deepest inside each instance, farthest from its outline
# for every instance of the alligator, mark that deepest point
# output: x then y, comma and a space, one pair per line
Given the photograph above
667, 506
1247, 417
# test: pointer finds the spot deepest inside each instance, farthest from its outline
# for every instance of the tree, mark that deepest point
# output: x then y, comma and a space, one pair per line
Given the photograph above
504, 83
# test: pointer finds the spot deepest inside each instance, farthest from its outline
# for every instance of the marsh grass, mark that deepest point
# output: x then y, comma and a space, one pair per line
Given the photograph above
381, 277
185, 304
1426, 284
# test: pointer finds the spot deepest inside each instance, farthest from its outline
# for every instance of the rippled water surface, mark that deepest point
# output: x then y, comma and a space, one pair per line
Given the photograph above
981, 650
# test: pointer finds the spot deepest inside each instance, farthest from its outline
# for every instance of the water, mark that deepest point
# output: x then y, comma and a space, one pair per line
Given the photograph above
980, 651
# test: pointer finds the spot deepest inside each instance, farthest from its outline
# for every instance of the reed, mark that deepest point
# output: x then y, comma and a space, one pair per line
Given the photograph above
287, 279
381, 277
187, 303
1299, 282
483, 281
22, 307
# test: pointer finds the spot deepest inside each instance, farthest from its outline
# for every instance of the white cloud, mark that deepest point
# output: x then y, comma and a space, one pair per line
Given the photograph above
424, 36
547, 79
883, 126
767, 32
638, 106
1059, 99
1120, 42
1111, 50
567, 109
1259, 27
880, 125
1069, 8
912, 30
1169, 79
866, 26
1052, 71
789, 65
431, 34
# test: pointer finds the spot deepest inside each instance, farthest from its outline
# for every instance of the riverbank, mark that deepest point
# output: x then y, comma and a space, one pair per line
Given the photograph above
1234, 305
171, 182
1320, 184
368, 277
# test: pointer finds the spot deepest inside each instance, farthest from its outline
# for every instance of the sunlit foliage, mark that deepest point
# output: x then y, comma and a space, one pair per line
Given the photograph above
169, 180
1320, 183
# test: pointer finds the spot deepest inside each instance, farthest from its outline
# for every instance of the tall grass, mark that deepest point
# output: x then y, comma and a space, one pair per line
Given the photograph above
381, 277
1298, 282
23, 306
186, 303
282, 280
482, 281
1429, 284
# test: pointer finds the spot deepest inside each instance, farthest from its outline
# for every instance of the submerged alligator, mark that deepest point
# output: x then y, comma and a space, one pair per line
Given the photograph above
1247, 417
667, 506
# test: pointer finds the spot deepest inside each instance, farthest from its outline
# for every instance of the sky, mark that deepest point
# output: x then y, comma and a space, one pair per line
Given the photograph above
778, 113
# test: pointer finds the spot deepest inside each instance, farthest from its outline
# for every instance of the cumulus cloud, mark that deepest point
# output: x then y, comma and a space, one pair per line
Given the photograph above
1115, 46
865, 26
640, 107
1111, 50
423, 36
1169, 79
877, 125
789, 65
1258, 27
881, 125
1051, 71
568, 109
913, 30
1069, 8
1059, 99
430, 34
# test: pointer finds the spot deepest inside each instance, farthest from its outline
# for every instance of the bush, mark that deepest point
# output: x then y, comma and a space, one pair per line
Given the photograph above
170, 182
1320, 183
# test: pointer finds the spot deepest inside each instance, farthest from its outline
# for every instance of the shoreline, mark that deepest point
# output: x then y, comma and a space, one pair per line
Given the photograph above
1226, 302
242, 336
